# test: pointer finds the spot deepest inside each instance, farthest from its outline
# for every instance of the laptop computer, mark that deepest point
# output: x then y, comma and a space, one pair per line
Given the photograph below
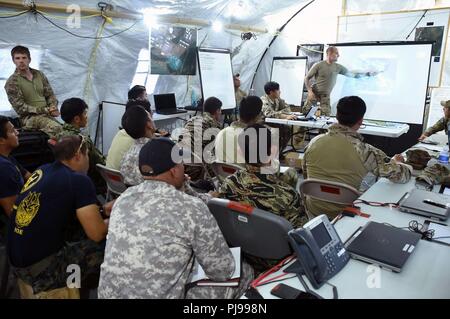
425, 203
384, 245
166, 104
310, 116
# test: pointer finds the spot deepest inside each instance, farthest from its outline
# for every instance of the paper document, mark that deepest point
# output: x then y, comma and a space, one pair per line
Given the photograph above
198, 274
440, 231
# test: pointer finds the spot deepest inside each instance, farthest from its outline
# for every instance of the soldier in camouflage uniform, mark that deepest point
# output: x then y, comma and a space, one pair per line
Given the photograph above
74, 114
194, 133
238, 93
325, 74
275, 107
440, 125
341, 156
258, 186
156, 232
31, 95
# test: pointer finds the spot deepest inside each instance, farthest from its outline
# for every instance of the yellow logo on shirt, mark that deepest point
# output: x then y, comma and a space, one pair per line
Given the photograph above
33, 180
26, 211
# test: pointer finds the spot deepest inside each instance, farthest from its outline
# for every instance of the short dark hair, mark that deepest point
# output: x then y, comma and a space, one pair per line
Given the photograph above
72, 107
271, 86
21, 50
330, 49
350, 109
251, 142
3, 121
144, 103
212, 104
136, 91
249, 108
68, 146
134, 121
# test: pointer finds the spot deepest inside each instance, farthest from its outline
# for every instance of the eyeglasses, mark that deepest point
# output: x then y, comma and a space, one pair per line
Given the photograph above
82, 141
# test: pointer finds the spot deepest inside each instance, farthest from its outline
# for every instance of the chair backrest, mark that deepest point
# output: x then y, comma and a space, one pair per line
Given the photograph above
259, 233
332, 192
113, 178
223, 170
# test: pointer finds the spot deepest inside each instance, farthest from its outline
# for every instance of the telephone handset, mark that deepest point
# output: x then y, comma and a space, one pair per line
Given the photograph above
319, 250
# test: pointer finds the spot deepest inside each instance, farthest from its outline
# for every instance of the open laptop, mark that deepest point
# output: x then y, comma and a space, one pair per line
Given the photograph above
310, 116
384, 245
166, 104
425, 203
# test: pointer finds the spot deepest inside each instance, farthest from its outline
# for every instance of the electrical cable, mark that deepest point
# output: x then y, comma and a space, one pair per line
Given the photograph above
423, 16
14, 14
85, 37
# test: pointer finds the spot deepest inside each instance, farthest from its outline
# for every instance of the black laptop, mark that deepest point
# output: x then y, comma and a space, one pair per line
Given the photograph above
166, 104
384, 245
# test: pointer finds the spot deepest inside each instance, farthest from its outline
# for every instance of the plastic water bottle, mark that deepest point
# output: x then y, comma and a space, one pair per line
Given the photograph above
443, 157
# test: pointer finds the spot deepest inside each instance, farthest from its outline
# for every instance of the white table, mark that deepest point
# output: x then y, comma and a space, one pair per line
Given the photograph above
389, 130
161, 117
425, 275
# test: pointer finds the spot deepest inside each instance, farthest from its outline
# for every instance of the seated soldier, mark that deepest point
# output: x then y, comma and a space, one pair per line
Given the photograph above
226, 142
158, 231
276, 107
341, 156
12, 174
257, 185
53, 198
441, 125
200, 131
138, 123
74, 114
31, 95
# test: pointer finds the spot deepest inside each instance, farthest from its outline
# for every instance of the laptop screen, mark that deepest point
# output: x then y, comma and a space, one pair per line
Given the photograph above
165, 101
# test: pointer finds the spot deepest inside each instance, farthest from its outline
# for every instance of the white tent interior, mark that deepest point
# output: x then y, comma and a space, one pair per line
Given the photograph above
105, 68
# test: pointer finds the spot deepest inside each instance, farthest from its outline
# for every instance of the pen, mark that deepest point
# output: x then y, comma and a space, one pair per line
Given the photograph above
430, 202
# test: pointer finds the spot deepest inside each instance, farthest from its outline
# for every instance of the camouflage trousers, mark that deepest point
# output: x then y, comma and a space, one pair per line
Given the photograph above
45, 123
325, 106
87, 254
216, 292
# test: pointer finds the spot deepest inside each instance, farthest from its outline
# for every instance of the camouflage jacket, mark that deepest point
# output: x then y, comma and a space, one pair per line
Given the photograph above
341, 156
438, 126
17, 100
239, 95
433, 174
275, 108
95, 156
129, 166
264, 191
195, 131
155, 233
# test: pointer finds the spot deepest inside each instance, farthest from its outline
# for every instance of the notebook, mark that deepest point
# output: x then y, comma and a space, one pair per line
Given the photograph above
384, 245
199, 277
425, 203
166, 104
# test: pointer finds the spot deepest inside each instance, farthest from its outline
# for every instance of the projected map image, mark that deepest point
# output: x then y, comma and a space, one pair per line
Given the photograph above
173, 50
382, 82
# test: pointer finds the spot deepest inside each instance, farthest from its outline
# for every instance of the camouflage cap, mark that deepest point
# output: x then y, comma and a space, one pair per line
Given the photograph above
417, 158
445, 103
155, 156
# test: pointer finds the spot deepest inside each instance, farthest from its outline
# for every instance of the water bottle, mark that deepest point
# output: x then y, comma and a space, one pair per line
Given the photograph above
443, 157
319, 111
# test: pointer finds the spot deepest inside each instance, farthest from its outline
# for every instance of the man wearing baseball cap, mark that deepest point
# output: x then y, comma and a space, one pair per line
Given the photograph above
440, 125
157, 233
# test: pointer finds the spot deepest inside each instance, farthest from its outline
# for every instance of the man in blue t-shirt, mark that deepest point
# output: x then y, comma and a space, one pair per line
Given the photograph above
12, 174
51, 200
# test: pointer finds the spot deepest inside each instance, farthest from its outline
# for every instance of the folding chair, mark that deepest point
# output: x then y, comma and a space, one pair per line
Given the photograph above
248, 227
327, 191
114, 181
223, 170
